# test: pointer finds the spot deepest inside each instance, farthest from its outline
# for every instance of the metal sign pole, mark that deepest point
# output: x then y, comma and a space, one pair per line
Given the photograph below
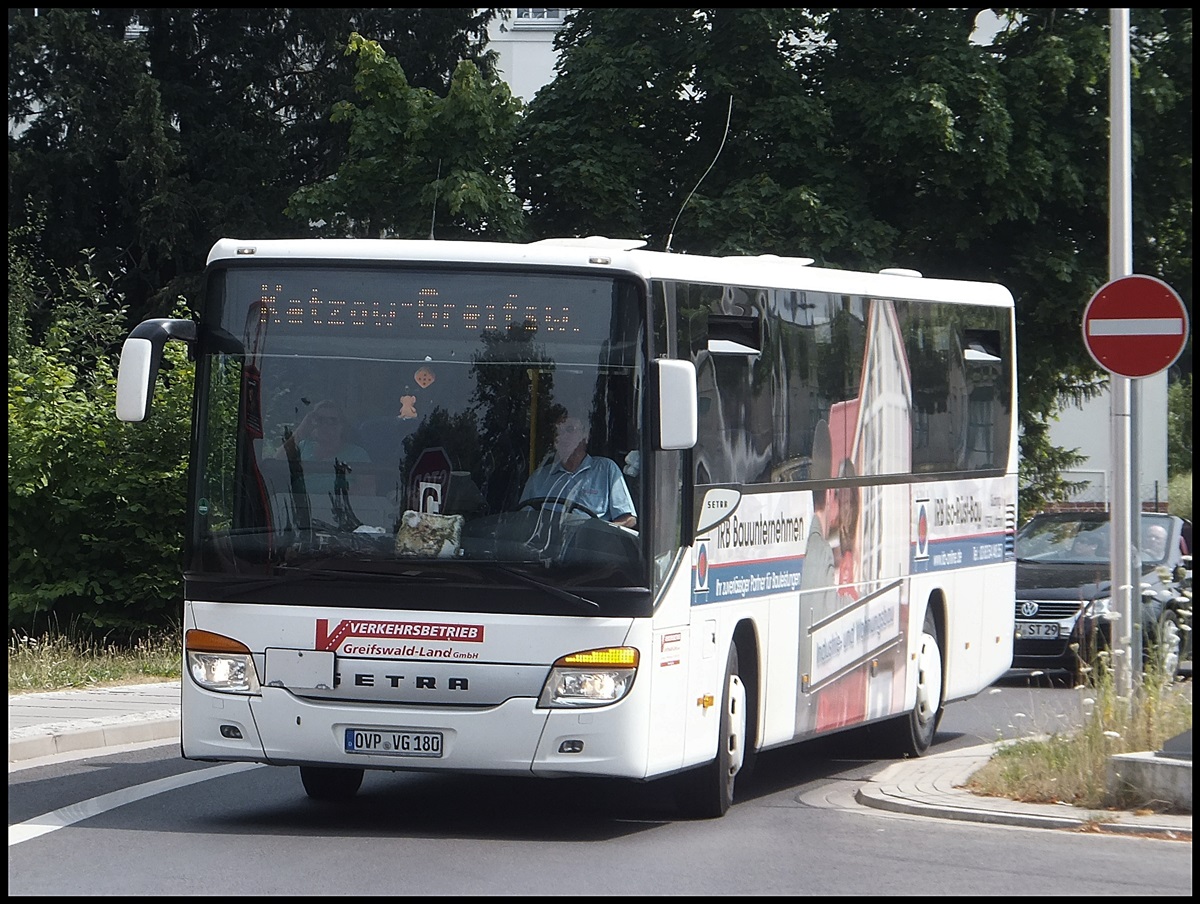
1120, 264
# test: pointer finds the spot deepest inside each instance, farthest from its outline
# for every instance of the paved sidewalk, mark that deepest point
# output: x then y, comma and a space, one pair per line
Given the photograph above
42, 725
930, 786
45, 725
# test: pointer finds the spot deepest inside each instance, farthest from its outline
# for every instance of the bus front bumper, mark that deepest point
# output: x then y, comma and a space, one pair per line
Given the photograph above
513, 738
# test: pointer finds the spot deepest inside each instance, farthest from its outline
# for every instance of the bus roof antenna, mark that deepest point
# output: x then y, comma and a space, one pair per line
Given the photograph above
437, 182
728, 117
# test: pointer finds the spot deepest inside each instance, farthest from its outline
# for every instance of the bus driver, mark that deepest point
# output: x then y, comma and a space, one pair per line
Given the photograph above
594, 483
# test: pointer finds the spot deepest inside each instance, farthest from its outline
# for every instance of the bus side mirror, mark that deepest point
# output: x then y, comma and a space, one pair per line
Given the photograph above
677, 417
141, 356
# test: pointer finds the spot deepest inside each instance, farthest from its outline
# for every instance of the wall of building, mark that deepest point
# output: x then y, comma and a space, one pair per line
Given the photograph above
524, 42
1089, 429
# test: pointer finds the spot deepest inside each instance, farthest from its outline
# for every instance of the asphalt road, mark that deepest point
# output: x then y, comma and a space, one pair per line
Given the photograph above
147, 822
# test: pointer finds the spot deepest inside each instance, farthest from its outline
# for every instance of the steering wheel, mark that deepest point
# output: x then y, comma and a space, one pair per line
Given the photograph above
569, 505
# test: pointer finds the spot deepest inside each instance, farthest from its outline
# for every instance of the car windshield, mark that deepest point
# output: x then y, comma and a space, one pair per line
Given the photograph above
1066, 538
1063, 540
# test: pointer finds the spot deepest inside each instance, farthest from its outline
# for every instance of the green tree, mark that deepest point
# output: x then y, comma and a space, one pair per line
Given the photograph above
88, 143
878, 137
1180, 439
95, 507
1179, 447
1162, 150
859, 137
1040, 473
606, 147
148, 145
413, 155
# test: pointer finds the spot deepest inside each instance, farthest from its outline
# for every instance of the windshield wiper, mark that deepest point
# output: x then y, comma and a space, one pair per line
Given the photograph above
288, 574
558, 592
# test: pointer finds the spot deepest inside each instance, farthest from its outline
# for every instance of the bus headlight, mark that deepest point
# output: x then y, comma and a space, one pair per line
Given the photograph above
219, 663
590, 678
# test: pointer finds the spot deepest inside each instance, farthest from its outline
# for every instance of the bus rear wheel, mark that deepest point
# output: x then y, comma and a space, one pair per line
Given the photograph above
911, 735
707, 792
328, 783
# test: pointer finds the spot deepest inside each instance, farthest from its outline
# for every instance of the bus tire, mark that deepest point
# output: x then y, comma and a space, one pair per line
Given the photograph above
328, 783
707, 792
912, 734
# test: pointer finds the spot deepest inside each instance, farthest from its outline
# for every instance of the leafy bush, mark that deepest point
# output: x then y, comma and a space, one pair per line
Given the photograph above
95, 506
1179, 447
1179, 494
1071, 766
1179, 427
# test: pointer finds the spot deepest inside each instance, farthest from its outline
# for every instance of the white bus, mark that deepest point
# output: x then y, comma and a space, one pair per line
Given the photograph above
821, 463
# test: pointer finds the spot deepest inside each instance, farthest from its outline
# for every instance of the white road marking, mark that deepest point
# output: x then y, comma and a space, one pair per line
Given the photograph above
59, 819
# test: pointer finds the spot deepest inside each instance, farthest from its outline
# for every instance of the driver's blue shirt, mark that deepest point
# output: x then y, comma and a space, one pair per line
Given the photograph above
596, 484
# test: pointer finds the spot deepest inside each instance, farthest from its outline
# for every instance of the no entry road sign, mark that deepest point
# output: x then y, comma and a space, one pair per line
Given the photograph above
1135, 326
429, 481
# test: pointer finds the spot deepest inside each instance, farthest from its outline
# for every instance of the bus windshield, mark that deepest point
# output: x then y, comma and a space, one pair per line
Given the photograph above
409, 421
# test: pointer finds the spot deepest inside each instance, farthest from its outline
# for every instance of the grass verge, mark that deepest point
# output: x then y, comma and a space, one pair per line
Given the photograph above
1072, 767
58, 662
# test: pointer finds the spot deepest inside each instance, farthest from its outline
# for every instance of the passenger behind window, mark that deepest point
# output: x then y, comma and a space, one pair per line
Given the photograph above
1086, 546
321, 439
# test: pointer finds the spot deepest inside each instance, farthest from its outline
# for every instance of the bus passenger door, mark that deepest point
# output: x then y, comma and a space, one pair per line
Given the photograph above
671, 651
706, 672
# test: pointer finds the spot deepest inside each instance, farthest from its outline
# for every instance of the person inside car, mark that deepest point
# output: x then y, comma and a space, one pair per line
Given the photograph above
1085, 546
1155, 547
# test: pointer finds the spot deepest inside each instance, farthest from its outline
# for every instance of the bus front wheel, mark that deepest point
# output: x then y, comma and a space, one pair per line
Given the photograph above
708, 791
326, 783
